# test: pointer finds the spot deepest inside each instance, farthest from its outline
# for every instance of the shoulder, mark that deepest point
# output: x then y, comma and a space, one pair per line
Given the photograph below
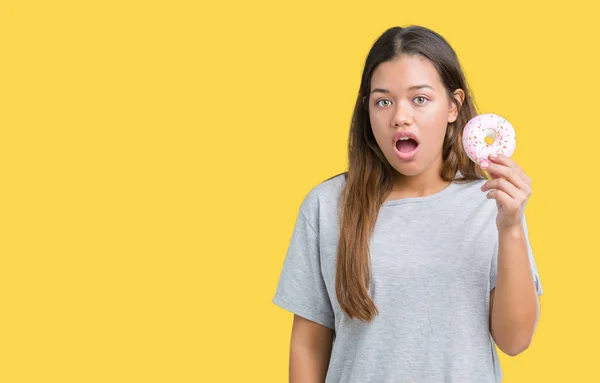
324, 195
472, 202
471, 188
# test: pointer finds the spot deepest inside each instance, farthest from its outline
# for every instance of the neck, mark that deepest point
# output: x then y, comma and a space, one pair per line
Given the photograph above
426, 183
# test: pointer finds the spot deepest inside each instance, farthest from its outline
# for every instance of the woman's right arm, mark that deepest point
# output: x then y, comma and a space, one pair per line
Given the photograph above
310, 351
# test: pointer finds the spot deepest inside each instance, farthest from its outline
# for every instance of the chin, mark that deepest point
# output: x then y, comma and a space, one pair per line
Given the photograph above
408, 169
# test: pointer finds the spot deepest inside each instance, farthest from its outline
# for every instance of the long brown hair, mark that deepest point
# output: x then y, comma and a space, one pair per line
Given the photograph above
369, 176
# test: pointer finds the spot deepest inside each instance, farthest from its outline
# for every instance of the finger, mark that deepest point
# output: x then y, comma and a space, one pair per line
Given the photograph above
500, 196
504, 185
507, 161
503, 171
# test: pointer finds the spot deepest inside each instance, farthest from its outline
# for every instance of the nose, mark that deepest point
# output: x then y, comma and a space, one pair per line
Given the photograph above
402, 115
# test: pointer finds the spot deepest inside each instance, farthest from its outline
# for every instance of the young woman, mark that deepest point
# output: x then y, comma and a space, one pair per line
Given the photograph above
414, 264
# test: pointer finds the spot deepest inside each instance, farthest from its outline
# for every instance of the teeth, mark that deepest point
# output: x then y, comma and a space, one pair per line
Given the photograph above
403, 138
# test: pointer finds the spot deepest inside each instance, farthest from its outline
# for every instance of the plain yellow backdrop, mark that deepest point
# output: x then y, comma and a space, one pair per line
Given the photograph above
154, 155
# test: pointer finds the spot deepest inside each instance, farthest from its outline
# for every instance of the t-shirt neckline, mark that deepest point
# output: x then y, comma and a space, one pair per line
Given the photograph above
429, 197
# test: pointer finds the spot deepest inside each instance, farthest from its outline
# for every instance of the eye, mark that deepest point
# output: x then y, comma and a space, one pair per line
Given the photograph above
378, 103
420, 100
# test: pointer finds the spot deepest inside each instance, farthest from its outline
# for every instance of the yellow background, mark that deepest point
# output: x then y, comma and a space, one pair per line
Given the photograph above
154, 155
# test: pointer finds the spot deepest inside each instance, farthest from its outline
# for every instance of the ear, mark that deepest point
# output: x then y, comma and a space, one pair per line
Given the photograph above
458, 97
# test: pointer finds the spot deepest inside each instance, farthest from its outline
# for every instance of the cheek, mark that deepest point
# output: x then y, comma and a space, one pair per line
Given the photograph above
434, 113
379, 127
375, 118
434, 120
380, 134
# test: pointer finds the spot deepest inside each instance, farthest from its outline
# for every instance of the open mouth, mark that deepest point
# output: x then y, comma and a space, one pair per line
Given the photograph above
406, 145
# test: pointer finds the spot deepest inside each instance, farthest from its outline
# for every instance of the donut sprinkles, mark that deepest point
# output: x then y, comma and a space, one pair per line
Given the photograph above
488, 126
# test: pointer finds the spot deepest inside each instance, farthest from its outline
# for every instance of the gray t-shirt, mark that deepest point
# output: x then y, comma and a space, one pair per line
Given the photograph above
433, 264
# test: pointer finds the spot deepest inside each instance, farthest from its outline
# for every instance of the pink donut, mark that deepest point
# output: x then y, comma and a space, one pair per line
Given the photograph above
488, 125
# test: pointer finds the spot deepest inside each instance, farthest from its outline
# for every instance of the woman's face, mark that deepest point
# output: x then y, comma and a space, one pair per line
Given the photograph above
407, 99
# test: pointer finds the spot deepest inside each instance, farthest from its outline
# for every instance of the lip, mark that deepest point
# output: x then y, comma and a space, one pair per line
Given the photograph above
409, 155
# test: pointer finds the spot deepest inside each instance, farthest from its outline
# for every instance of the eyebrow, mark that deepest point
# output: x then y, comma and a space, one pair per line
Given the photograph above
381, 90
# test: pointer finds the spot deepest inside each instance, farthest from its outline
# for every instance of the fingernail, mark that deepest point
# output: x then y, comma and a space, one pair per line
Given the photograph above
493, 155
484, 165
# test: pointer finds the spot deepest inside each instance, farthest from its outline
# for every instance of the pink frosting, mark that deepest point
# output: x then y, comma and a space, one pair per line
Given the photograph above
479, 127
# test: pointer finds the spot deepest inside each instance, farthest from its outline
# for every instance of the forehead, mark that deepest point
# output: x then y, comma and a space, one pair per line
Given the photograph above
404, 72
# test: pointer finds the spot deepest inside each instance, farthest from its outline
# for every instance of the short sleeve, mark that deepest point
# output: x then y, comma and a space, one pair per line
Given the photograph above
301, 288
532, 264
